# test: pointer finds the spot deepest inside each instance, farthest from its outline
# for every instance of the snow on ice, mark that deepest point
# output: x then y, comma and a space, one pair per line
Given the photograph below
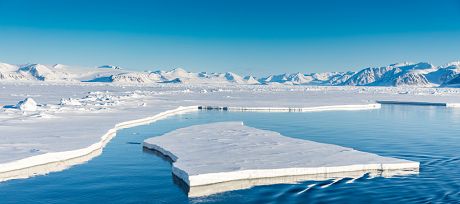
228, 151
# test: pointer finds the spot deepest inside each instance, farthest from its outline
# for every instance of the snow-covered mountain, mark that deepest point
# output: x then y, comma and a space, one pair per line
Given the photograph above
109, 67
366, 76
57, 72
445, 73
406, 74
251, 80
401, 74
393, 75
32, 72
455, 82
450, 76
136, 77
327, 78
180, 75
339, 78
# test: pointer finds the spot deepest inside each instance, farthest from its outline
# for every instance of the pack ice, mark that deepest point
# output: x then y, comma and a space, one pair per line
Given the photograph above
230, 151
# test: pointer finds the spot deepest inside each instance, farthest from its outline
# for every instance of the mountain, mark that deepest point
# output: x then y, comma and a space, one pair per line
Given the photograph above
180, 75
397, 77
136, 77
109, 67
9, 72
232, 77
450, 74
453, 82
251, 80
406, 74
339, 78
177, 73
445, 73
366, 76
57, 72
274, 79
327, 78
401, 74
40, 72
299, 78
35, 72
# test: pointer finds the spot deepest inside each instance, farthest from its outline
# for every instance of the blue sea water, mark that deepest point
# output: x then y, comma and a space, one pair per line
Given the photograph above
124, 173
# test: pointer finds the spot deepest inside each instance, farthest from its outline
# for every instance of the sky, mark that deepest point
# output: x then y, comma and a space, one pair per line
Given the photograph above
244, 36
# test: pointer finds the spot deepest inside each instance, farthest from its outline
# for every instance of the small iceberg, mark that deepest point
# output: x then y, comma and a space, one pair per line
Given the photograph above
27, 104
218, 153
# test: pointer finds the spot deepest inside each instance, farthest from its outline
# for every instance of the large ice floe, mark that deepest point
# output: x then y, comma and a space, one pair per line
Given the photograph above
207, 157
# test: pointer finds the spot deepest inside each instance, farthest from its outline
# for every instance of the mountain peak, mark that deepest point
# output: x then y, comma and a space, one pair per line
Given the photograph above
398, 74
179, 70
109, 67
452, 64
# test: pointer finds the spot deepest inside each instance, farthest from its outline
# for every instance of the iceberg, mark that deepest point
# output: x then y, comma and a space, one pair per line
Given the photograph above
27, 104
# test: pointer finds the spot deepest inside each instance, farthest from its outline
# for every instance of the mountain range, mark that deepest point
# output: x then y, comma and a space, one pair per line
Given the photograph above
400, 74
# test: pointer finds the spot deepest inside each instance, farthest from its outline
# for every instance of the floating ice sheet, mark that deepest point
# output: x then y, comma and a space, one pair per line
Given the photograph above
229, 151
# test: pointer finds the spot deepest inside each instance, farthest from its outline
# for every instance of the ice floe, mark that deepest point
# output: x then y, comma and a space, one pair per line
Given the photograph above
230, 151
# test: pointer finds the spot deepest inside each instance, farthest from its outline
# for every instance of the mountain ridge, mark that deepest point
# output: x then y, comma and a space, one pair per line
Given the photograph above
420, 74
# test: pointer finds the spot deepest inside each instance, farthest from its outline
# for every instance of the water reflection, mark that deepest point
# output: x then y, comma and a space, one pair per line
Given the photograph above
206, 190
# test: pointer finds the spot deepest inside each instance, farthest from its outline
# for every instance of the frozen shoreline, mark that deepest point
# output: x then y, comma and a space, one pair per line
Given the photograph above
45, 163
58, 130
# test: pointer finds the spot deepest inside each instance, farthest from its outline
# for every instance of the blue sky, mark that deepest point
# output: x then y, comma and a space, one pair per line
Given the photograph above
247, 37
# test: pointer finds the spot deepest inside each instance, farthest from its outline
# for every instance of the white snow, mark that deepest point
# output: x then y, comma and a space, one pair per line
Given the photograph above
70, 101
227, 151
27, 104
76, 118
53, 161
399, 74
73, 116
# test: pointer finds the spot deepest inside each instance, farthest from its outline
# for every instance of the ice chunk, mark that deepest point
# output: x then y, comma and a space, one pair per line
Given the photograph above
70, 102
27, 104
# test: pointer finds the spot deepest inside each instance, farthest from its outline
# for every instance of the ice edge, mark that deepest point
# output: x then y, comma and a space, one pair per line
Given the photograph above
57, 161
220, 177
19, 168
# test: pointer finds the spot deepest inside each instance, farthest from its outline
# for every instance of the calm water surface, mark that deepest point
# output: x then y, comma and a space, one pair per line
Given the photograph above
124, 173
